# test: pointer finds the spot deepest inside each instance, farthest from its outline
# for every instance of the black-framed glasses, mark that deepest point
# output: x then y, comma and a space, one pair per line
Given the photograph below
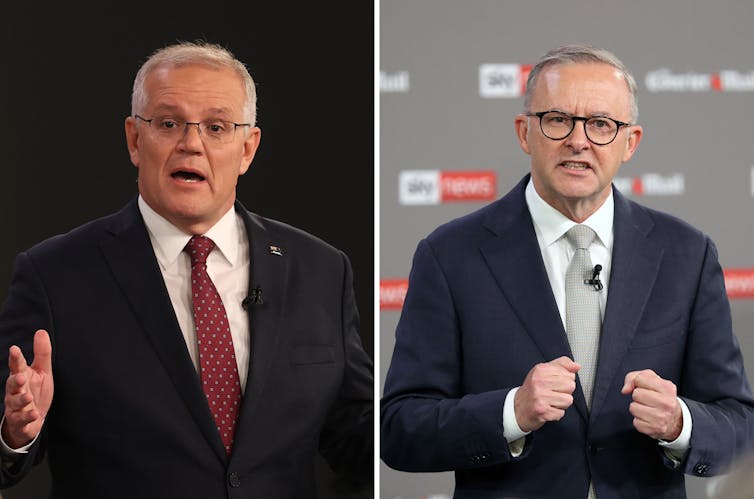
557, 125
213, 130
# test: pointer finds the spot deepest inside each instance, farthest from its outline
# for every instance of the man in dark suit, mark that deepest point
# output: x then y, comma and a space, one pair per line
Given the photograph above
493, 373
196, 350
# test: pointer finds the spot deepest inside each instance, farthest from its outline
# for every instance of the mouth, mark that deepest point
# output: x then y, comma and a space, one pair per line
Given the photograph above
187, 176
575, 165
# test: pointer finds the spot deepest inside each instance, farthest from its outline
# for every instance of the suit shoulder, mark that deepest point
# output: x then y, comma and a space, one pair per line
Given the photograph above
462, 226
669, 227
293, 236
85, 234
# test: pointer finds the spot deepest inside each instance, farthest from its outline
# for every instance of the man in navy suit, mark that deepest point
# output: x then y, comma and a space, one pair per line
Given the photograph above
482, 379
119, 394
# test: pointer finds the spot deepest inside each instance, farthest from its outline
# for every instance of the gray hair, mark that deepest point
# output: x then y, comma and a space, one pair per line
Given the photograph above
579, 54
195, 53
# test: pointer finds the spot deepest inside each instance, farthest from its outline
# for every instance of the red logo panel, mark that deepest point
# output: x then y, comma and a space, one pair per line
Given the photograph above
392, 293
467, 186
739, 283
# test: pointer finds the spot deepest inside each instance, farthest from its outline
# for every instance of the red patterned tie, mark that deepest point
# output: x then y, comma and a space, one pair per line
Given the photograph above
217, 359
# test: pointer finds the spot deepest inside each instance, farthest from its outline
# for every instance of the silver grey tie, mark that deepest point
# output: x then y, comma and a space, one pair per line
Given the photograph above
583, 319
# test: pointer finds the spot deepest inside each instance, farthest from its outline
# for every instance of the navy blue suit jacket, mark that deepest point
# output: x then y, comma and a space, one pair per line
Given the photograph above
129, 417
480, 313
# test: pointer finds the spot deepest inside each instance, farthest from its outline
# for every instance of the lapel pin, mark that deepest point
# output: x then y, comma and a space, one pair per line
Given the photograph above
276, 250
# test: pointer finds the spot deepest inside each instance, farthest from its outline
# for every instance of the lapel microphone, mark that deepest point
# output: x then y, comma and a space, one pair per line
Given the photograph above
595, 280
254, 298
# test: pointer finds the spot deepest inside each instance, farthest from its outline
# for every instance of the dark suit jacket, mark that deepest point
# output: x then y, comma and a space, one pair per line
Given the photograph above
480, 313
129, 418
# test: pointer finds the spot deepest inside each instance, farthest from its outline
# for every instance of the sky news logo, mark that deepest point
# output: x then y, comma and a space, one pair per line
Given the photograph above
395, 82
665, 80
652, 184
417, 187
503, 80
739, 283
392, 293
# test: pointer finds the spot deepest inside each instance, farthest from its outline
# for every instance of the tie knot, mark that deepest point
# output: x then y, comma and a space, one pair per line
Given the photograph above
580, 236
198, 248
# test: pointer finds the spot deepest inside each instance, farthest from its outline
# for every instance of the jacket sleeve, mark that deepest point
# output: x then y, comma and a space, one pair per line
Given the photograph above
428, 422
714, 383
24, 312
347, 439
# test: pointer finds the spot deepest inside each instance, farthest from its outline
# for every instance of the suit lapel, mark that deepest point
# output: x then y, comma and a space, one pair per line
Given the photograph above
268, 279
635, 263
514, 258
128, 251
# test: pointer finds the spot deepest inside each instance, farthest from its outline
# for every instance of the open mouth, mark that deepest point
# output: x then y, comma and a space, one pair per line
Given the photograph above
187, 176
575, 165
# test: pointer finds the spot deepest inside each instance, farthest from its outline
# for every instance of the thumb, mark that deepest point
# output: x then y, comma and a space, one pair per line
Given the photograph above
42, 352
568, 364
628, 383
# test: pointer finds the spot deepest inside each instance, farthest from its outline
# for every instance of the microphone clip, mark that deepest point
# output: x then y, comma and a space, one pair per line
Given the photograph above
254, 298
595, 280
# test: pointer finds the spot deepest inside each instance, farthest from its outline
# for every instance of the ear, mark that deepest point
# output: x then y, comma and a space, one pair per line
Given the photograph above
522, 131
250, 145
132, 140
635, 134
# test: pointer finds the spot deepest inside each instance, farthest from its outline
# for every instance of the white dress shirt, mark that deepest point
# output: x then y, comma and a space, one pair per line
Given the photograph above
227, 266
550, 227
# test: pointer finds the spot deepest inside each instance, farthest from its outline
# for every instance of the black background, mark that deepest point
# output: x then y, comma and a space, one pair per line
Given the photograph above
66, 87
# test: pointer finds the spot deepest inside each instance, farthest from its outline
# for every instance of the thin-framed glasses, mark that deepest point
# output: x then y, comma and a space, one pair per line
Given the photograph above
557, 125
213, 130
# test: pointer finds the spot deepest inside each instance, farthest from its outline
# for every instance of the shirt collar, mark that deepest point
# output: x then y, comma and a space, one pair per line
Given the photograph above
169, 241
550, 224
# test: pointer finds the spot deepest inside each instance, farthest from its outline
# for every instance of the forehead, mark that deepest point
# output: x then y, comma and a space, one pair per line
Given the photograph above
582, 87
194, 86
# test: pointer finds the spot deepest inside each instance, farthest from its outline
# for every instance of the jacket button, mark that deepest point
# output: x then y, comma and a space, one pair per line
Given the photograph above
233, 479
594, 449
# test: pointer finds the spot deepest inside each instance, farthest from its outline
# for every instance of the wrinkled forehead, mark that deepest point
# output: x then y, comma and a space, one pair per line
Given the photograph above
173, 84
584, 85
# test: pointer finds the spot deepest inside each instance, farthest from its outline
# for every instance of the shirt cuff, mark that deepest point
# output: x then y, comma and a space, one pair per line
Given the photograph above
511, 431
680, 445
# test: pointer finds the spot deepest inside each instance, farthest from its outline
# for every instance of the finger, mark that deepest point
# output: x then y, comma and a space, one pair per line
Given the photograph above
630, 381
561, 401
20, 419
566, 363
647, 379
16, 360
564, 386
649, 397
42, 352
643, 412
555, 414
18, 402
16, 384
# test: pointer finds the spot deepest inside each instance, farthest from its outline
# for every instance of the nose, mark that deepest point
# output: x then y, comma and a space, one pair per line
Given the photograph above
191, 140
577, 139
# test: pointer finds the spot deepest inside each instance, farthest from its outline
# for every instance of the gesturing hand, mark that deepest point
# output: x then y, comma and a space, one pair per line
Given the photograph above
28, 392
655, 407
546, 393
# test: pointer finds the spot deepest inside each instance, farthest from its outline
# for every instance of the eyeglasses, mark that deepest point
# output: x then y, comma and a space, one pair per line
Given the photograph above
600, 130
213, 130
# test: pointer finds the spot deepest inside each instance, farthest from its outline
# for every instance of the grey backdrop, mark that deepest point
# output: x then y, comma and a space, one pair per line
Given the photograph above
695, 160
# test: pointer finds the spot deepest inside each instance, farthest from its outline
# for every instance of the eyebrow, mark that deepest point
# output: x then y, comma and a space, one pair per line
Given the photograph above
598, 114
